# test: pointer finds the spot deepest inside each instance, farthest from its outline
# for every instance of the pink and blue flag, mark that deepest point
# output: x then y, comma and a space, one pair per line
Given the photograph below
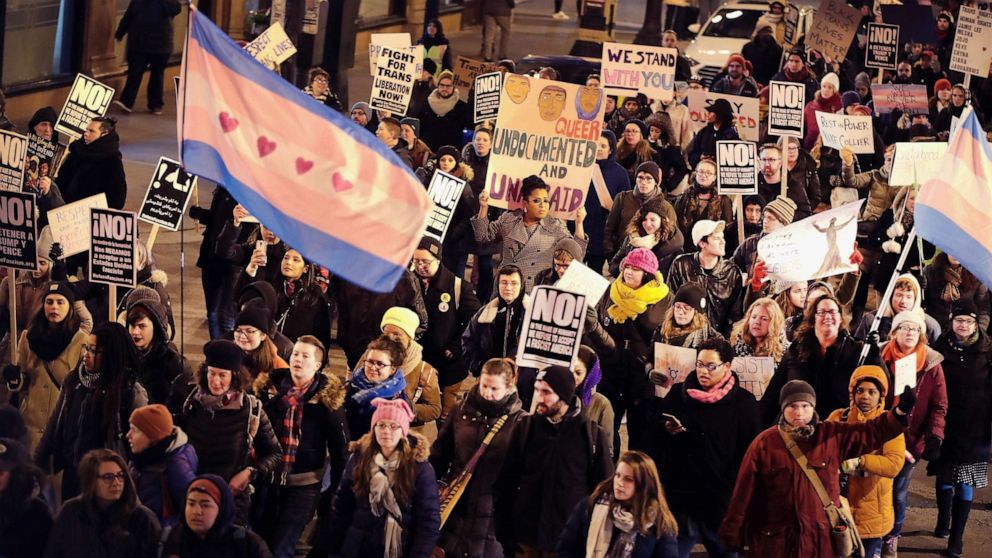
954, 208
324, 185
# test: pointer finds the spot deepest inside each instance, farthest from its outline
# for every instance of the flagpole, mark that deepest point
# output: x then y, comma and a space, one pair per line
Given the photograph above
906, 249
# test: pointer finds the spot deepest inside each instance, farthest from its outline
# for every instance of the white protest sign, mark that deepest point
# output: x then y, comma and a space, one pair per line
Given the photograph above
277, 12
737, 167
754, 373
882, 50
972, 51
70, 224
818, 246
272, 47
445, 190
379, 40
833, 28
916, 162
627, 70
13, 148
844, 130
552, 330
487, 92
905, 373
113, 235
167, 195
786, 101
745, 112
18, 231
675, 363
579, 278
87, 100
392, 85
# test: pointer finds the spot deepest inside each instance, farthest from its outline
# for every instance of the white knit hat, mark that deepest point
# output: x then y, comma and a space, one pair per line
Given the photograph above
911, 316
832, 79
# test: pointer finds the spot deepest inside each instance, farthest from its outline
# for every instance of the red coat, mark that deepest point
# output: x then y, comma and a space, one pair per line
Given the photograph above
930, 412
833, 104
774, 508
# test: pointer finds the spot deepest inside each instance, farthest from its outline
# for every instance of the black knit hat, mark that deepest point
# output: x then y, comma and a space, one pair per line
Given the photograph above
692, 294
964, 307
561, 380
254, 315
796, 390
430, 66
223, 354
430, 244
60, 288
651, 168
640, 124
449, 150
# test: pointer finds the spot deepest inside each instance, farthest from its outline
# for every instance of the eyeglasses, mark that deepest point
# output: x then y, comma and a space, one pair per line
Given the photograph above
418, 261
705, 173
445, 85
909, 328
965, 321
387, 426
245, 332
377, 365
92, 349
709, 366
827, 313
320, 80
109, 478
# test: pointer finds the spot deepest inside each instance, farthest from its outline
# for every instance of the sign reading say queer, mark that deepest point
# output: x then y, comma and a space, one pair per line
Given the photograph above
549, 129
631, 69
13, 147
87, 100
737, 167
786, 101
18, 235
552, 330
392, 85
445, 191
167, 195
834, 25
883, 46
845, 131
487, 90
745, 112
113, 235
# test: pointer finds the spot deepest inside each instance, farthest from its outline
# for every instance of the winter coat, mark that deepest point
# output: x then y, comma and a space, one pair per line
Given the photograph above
624, 367
402, 150
746, 88
471, 528
774, 508
420, 154
459, 240
479, 166
617, 181
27, 297
478, 339
438, 131
704, 143
164, 374
928, 416
804, 76
723, 284
687, 218
149, 24
162, 482
235, 247
418, 99
214, 219
94, 168
818, 104
880, 194
76, 533
765, 58
934, 283
665, 251
23, 533
573, 539
795, 190
600, 411
357, 533
626, 204
449, 311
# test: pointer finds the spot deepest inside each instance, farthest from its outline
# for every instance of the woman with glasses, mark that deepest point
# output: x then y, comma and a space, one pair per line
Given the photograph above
106, 519
762, 332
702, 202
635, 149
251, 334
627, 203
651, 229
948, 283
319, 87
94, 406
387, 503
686, 323
378, 376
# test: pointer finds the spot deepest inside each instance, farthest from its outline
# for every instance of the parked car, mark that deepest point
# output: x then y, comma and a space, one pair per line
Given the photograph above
571, 69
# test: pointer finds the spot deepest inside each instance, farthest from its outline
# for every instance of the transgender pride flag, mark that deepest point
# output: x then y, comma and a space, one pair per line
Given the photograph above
327, 187
954, 209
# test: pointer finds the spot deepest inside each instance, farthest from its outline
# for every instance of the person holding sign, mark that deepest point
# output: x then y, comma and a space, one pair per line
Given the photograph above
827, 99
796, 70
762, 332
719, 127
94, 165
494, 331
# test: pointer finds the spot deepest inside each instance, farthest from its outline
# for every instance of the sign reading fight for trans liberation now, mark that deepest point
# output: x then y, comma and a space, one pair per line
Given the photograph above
909, 98
549, 129
883, 46
113, 235
87, 100
916, 162
391, 40
631, 69
745, 112
818, 246
754, 373
13, 147
487, 92
786, 101
445, 191
168, 194
272, 47
552, 330
972, 51
18, 231
737, 168
833, 28
71, 223
846, 131
392, 85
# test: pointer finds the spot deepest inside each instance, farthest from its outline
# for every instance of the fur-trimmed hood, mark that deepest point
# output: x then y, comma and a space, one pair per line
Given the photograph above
421, 447
331, 395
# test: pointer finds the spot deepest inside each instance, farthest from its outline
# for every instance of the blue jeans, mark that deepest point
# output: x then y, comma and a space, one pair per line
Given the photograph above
692, 530
900, 493
873, 547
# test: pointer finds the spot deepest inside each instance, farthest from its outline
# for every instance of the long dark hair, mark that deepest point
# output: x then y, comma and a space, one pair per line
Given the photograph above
119, 511
40, 323
365, 450
118, 369
648, 505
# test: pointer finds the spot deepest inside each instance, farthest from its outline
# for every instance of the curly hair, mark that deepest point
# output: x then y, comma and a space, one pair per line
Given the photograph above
635, 227
772, 344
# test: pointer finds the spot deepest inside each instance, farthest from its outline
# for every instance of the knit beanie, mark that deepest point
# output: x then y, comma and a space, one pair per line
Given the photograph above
832, 79
208, 487
12, 454
45, 242
941, 85
651, 168
153, 421
796, 390
413, 123
692, 294
451, 151
862, 80
850, 98
364, 107
446, 74
403, 318
722, 109
736, 58
254, 315
149, 299
569, 245
946, 15
910, 316
223, 354
430, 244
60, 288
11, 422
643, 259
964, 307
611, 139
645, 131
395, 410
561, 380
783, 208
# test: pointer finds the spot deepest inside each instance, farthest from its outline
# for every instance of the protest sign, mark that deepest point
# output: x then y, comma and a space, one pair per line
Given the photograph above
833, 28
882, 51
71, 224
737, 168
909, 98
546, 128
272, 47
13, 148
552, 330
277, 12
905, 375
580, 279
311, 16
745, 112
445, 191
754, 373
818, 246
627, 70
487, 90
916, 162
392, 85
379, 40
466, 70
791, 24
786, 101
167, 195
18, 232
844, 130
40, 158
113, 234
972, 51
675, 363
87, 100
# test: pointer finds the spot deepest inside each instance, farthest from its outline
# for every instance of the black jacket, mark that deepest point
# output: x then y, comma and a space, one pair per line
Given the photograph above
149, 24
164, 373
94, 168
723, 284
573, 539
76, 533
213, 218
795, 190
23, 532
438, 131
402, 150
447, 317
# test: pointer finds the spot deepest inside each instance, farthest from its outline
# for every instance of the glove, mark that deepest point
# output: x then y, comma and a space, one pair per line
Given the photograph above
906, 401
856, 256
895, 230
891, 247
760, 272
56, 252
659, 378
847, 157
12, 373
931, 448
850, 465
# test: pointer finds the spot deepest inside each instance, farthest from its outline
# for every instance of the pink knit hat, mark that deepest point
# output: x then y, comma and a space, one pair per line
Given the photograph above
642, 258
395, 410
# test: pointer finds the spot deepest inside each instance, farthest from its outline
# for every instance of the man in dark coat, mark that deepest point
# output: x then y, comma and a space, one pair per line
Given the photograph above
709, 267
149, 24
770, 182
217, 276
94, 165
494, 330
445, 115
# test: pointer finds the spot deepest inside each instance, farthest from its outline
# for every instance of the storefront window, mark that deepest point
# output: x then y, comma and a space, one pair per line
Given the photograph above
38, 40
371, 10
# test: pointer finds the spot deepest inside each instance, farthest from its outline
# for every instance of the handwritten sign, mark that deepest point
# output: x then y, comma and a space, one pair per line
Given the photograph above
916, 162
833, 28
113, 234
13, 148
882, 51
909, 98
487, 91
676, 363
18, 231
972, 51
627, 70
846, 131
445, 191
818, 246
87, 100
272, 47
579, 278
167, 195
466, 70
70, 224
737, 167
905, 375
745, 112
552, 330
754, 373
786, 101
394, 78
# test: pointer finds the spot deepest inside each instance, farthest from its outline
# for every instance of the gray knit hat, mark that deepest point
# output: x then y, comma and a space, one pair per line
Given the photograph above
783, 208
796, 390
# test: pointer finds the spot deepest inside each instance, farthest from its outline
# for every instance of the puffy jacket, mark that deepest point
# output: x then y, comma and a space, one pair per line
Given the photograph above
478, 341
880, 194
162, 481
625, 205
77, 534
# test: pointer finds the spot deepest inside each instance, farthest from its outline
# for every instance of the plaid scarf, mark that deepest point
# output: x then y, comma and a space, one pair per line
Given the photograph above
292, 428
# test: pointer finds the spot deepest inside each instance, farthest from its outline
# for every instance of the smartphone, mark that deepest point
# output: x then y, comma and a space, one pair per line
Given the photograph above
262, 245
674, 420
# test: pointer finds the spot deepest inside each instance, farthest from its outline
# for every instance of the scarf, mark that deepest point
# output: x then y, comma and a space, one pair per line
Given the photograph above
798, 432
366, 390
799, 76
891, 353
49, 342
87, 378
588, 387
967, 342
440, 105
214, 403
629, 303
716, 392
382, 500
648, 241
644, 198
952, 289
491, 409
605, 516
292, 404
154, 453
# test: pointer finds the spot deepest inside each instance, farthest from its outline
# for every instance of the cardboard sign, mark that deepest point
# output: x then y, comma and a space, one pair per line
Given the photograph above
905, 375
71, 224
627, 70
445, 190
916, 162
167, 195
737, 168
379, 40
579, 278
392, 85
972, 51
745, 112
113, 235
18, 231
549, 129
674, 362
833, 29
466, 70
882, 51
844, 130
791, 24
754, 373
487, 91
272, 47
552, 330
909, 98
818, 246
13, 148
786, 101
40, 158
87, 100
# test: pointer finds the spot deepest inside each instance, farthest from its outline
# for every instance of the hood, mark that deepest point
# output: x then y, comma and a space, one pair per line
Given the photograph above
331, 394
869, 372
887, 311
181, 440
225, 515
260, 289
44, 114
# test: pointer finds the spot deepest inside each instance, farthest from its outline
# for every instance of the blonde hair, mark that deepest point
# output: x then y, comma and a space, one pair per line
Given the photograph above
670, 329
772, 344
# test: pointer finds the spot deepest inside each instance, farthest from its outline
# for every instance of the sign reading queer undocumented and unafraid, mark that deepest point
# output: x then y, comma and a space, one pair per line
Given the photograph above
87, 100
549, 129
745, 112
631, 69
